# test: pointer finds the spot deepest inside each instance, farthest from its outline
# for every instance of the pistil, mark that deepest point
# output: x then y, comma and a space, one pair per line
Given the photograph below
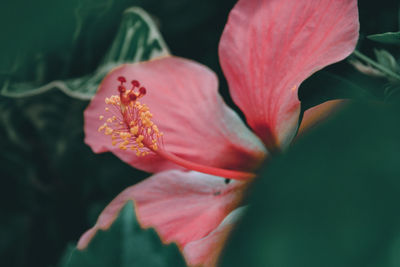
129, 122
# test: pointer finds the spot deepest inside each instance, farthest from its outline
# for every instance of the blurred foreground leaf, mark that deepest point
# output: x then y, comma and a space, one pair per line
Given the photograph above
138, 39
331, 200
125, 244
386, 38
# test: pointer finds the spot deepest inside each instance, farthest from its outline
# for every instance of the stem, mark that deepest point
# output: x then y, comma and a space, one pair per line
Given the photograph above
385, 70
231, 174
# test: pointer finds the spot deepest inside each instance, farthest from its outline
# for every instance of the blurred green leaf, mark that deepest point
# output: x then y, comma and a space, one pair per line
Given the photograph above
331, 200
386, 38
51, 177
392, 91
138, 39
125, 244
387, 60
385, 64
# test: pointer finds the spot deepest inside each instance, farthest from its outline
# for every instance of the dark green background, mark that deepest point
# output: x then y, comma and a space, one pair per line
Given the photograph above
52, 187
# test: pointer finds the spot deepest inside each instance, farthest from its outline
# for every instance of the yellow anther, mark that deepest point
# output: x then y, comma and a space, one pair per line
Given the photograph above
144, 108
124, 135
114, 142
109, 120
134, 130
125, 143
101, 117
107, 109
148, 123
101, 128
108, 131
155, 147
138, 153
139, 139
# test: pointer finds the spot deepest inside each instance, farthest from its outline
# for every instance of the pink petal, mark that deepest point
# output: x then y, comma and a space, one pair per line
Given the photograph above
197, 125
181, 206
270, 46
317, 114
205, 252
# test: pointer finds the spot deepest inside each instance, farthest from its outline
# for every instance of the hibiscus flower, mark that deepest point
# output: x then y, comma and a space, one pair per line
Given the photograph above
179, 127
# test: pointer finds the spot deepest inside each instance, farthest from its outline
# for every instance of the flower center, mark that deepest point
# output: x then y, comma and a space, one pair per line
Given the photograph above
129, 126
129, 122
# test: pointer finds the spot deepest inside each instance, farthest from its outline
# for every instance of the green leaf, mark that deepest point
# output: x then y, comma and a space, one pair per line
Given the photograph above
54, 193
387, 60
125, 244
331, 200
386, 38
138, 39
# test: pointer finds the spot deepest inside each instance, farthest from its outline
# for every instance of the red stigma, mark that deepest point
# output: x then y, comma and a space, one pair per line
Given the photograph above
142, 91
121, 89
132, 97
121, 79
135, 83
